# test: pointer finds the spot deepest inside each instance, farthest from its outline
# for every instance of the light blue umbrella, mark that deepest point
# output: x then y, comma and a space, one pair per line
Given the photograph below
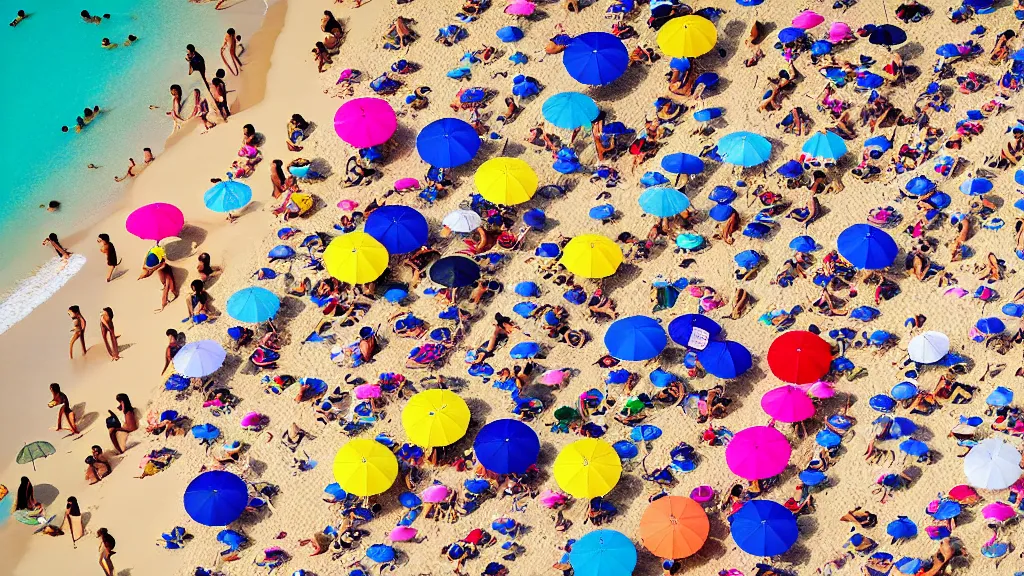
253, 305
827, 145
227, 195
603, 553
199, 359
570, 110
976, 186
1001, 396
663, 202
744, 149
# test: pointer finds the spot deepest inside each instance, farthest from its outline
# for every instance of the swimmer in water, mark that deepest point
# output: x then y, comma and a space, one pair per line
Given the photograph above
92, 166
130, 174
106, 43
93, 19
17, 20
52, 206
130, 40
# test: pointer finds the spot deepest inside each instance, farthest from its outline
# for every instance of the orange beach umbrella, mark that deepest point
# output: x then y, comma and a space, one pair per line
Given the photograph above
674, 527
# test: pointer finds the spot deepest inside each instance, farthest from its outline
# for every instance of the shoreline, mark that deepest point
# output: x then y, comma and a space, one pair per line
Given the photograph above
16, 543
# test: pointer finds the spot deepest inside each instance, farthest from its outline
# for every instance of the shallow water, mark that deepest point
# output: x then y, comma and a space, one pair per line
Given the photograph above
66, 70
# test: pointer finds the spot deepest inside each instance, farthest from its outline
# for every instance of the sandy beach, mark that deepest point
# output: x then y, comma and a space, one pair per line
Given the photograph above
280, 79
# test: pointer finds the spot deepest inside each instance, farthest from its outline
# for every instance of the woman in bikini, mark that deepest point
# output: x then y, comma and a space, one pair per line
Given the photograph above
205, 269
107, 249
175, 112
77, 330
61, 399
201, 108
114, 426
108, 333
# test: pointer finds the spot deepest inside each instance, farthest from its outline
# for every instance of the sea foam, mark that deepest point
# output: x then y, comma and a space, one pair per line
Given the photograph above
37, 289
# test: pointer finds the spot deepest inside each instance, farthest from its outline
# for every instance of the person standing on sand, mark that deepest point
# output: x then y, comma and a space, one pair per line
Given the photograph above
65, 413
201, 108
175, 112
231, 45
196, 63
107, 248
220, 98
174, 343
166, 275
106, 551
108, 333
77, 330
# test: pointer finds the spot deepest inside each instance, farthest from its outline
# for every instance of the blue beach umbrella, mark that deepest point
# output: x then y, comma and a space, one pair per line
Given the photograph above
812, 477
689, 241
454, 271
791, 169
919, 185
900, 528
887, 35
1018, 176
409, 500
603, 553
948, 51
682, 163
644, 433
721, 212
722, 195
749, 3
595, 58
903, 391
947, 509
821, 48
227, 195
524, 350
725, 359
827, 439
635, 338
570, 110
991, 325
380, 553
400, 229
682, 328
216, 498
506, 446
626, 449
207, 432
908, 565
867, 247
747, 259
509, 34
791, 34
882, 403
199, 359
744, 149
976, 186
707, 114
663, 202
1001, 396
534, 218
879, 145
826, 144
914, 447
602, 212
680, 64
253, 305
763, 528
447, 143
869, 80
803, 244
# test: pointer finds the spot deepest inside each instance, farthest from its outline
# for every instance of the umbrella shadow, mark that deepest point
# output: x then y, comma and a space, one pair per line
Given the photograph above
322, 166
403, 142
624, 276
729, 40
189, 238
46, 494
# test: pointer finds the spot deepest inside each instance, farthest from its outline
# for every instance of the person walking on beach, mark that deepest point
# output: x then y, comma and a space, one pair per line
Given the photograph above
166, 275
106, 551
220, 98
107, 248
231, 45
175, 112
59, 398
77, 330
196, 63
108, 333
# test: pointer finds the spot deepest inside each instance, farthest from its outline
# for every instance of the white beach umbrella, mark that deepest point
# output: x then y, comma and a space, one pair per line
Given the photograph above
993, 464
198, 359
462, 221
929, 347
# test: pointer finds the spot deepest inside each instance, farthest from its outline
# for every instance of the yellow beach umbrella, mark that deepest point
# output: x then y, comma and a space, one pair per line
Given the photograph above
435, 418
365, 467
687, 37
356, 258
591, 256
587, 468
506, 181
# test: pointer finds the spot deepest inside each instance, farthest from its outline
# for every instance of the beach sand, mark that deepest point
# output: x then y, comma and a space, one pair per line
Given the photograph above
279, 80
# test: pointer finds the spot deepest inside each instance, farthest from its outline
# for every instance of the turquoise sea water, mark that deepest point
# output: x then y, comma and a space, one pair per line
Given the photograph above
54, 67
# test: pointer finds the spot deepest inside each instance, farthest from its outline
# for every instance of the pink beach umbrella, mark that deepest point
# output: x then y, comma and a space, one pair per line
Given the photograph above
404, 184
839, 32
964, 494
553, 377
402, 534
521, 8
365, 122
757, 453
436, 493
550, 499
252, 420
808, 19
155, 221
820, 389
787, 404
366, 391
998, 512
348, 205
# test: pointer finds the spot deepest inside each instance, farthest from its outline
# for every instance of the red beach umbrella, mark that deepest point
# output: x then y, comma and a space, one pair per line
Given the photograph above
799, 357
